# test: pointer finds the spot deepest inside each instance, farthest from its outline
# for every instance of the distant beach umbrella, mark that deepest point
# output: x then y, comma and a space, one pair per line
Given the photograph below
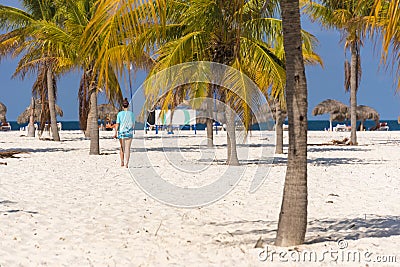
107, 111
24, 116
366, 113
339, 116
331, 107
3, 111
363, 113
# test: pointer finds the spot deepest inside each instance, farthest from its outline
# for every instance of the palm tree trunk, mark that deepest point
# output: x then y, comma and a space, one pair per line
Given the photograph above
292, 223
353, 94
232, 158
94, 129
170, 126
31, 126
278, 128
88, 125
52, 105
209, 120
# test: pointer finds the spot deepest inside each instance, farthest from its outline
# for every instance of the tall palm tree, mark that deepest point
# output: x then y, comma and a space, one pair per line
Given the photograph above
293, 216
66, 40
352, 19
217, 31
23, 27
242, 34
386, 17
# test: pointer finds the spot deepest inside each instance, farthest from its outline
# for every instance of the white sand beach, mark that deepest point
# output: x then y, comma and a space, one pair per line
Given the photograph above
61, 207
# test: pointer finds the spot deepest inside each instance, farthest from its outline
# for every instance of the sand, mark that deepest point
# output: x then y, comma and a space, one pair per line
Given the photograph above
61, 207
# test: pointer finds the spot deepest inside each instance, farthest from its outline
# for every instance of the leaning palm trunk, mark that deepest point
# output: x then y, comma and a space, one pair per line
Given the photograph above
89, 121
292, 223
353, 93
52, 105
232, 158
209, 120
31, 126
94, 129
278, 128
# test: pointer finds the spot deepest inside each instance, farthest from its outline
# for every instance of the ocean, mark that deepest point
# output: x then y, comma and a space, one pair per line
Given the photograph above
313, 125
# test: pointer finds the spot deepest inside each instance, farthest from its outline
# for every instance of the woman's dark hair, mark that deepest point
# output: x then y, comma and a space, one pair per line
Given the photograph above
125, 103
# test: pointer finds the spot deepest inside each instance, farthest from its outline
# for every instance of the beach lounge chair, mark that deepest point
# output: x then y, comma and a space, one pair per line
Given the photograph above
383, 126
6, 126
342, 128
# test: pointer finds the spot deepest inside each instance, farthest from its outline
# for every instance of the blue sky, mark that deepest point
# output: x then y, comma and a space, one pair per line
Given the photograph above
376, 89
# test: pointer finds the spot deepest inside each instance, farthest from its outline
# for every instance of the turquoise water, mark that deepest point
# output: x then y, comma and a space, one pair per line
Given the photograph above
313, 125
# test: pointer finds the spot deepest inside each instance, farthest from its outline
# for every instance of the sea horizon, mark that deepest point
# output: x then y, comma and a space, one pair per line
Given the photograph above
313, 125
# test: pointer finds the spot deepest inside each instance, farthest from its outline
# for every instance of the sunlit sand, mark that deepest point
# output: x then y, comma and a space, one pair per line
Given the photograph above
61, 207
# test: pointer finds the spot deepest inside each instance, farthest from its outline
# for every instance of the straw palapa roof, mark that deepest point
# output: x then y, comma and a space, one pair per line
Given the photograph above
24, 116
3, 111
363, 113
329, 106
367, 113
107, 111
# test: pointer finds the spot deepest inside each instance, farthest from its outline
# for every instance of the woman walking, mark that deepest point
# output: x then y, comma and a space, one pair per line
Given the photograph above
124, 131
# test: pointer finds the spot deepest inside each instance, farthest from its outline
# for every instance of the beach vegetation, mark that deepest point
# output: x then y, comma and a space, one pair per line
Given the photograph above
352, 19
23, 27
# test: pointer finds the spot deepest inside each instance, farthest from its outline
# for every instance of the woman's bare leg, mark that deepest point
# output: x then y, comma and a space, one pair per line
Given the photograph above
127, 150
121, 151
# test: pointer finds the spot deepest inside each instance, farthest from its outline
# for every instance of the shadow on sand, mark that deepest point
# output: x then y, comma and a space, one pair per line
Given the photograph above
371, 226
331, 161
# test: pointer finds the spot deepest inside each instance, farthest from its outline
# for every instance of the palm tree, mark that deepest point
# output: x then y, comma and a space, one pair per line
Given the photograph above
387, 18
65, 39
243, 34
278, 109
292, 223
21, 39
217, 31
352, 19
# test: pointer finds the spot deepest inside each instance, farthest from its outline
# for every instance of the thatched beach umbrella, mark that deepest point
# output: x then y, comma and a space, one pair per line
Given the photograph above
24, 116
366, 113
107, 111
339, 116
363, 113
3, 111
330, 106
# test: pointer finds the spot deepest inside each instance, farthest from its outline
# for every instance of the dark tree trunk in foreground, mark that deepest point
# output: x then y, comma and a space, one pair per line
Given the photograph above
353, 93
94, 129
52, 105
278, 128
31, 126
292, 223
